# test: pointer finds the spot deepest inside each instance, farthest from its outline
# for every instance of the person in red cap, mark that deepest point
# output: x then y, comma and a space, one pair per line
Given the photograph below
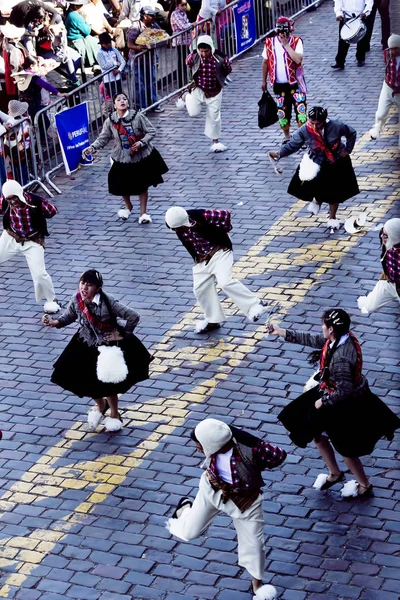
282, 64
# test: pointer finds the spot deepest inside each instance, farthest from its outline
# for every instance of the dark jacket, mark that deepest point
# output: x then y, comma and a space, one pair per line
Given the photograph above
220, 70
333, 132
38, 220
211, 233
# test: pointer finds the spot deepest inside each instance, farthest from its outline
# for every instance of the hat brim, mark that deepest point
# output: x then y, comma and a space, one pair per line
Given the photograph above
351, 225
22, 79
22, 110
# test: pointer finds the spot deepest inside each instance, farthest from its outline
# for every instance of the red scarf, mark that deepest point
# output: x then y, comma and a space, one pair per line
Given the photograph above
330, 385
95, 322
319, 142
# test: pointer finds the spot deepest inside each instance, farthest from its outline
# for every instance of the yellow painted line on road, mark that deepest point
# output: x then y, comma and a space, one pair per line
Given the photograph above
46, 479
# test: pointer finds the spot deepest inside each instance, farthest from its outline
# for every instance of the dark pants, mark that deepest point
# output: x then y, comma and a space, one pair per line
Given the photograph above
383, 7
343, 47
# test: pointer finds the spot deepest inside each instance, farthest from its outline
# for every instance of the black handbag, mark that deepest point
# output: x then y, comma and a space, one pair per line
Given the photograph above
267, 111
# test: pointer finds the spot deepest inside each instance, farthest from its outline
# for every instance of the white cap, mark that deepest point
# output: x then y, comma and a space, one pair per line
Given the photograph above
394, 41
212, 434
13, 188
176, 216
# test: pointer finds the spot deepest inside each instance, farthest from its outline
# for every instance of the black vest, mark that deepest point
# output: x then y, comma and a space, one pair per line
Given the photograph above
216, 235
38, 220
248, 470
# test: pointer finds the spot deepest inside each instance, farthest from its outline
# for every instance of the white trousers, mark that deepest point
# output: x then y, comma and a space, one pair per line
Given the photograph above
249, 525
194, 102
219, 271
34, 254
383, 293
385, 102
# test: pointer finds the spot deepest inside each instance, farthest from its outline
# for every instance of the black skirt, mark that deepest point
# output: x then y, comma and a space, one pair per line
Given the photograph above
131, 179
354, 426
75, 369
335, 183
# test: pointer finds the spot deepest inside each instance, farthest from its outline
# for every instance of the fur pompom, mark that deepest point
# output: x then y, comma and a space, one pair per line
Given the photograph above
265, 592
310, 383
308, 168
350, 489
51, 307
361, 302
218, 147
112, 424
111, 365
124, 214
174, 526
200, 325
320, 481
94, 418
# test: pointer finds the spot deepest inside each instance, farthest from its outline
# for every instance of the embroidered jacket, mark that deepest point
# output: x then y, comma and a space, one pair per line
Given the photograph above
341, 367
135, 123
290, 65
333, 132
86, 331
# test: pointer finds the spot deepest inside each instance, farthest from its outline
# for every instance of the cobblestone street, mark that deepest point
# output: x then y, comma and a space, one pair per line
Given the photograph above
83, 513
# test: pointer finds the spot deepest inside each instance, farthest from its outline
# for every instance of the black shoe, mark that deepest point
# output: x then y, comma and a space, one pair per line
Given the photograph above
338, 67
181, 504
328, 484
360, 63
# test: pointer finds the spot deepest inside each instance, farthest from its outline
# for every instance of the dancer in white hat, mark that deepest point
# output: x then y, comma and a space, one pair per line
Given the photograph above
204, 233
388, 287
231, 485
25, 228
390, 93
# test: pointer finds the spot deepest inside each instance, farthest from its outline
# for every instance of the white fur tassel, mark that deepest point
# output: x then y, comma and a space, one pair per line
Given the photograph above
265, 592
350, 489
201, 325
308, 168
310, 383
111, 365
174, 526
319, 482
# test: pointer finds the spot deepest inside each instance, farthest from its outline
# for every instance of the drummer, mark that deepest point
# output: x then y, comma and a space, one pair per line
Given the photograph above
344, 10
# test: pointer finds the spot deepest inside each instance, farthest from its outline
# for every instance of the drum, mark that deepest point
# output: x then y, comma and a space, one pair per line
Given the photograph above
353, 30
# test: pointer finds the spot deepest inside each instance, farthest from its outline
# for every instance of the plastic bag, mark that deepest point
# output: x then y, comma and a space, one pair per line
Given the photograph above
267, 111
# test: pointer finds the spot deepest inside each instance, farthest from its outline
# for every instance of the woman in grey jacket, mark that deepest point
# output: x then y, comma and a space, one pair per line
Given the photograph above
103, 359
137, 165
340, 411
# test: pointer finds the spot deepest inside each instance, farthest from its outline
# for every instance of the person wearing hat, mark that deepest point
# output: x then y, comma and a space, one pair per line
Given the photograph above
78, 33
109, 57
339, 412
231, 486
388, 287
103, 359
390, 93
137, 165
325, 173
14, 54
282, 59
209, 68
144, 67
204, 234
345, 9
24, 232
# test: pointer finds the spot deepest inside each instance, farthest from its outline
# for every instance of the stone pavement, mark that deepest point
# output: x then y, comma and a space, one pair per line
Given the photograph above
83, 513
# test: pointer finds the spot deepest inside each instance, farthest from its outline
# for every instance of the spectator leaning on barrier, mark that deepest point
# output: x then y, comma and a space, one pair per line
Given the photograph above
108, 57
24, 232
204, 234
388, 287
14, 54
17, 142
343, 10
210, 68
282, 59
390, 93
78, 33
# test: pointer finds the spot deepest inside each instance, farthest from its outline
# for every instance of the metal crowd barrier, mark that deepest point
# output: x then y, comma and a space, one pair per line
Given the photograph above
156, 74
18, 153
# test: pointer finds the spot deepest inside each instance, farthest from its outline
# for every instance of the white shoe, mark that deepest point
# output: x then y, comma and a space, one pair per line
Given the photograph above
218, 147
124, 214
361, 301
374, 133
180, 104
112, 424
144, 219
255, 312
266, 592
333, 223
313, 207
94, 418
51, 307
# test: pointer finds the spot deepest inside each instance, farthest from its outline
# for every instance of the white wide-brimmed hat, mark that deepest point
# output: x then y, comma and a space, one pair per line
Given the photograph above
355, 224
22, 79
17, 108
11, 32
